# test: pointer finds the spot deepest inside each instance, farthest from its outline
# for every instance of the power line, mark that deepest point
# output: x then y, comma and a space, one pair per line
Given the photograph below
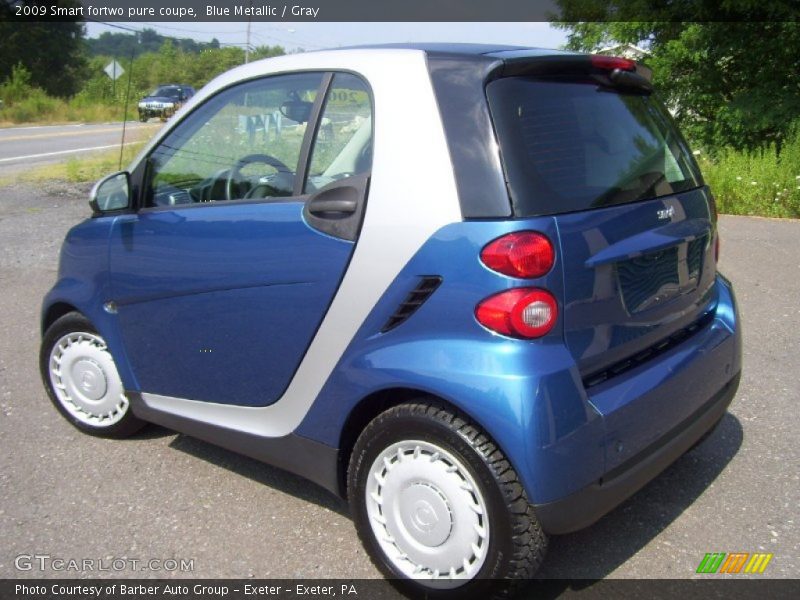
152, 28
113, 25
267, 38
160, 26
328, 42
293, 42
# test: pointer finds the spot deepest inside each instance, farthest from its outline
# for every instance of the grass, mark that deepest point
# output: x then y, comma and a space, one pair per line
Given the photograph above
54, 111
57, 112
81, 169
763, 183
94, 167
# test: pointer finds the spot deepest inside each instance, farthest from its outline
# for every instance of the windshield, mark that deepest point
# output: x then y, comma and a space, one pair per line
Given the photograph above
570, 146
168, 92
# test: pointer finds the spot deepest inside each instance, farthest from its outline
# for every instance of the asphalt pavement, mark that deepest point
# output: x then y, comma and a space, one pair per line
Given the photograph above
161, 495
23, 147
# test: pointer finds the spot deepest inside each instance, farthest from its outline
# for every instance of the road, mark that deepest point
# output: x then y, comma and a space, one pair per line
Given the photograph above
22, 147
163, 495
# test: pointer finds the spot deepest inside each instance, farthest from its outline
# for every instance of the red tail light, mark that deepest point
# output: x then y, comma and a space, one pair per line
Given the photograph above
519, 312
524, 254
610, 63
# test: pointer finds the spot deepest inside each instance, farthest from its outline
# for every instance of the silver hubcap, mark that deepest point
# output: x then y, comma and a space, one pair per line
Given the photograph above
85, 380
427, 513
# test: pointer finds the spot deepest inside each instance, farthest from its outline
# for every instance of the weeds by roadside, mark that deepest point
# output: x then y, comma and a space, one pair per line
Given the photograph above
764, 183
24, 103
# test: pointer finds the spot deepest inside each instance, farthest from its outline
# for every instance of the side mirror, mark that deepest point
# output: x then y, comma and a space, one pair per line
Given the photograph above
111, 193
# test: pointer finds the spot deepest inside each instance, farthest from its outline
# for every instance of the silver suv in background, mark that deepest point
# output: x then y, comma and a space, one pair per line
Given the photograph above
164, 101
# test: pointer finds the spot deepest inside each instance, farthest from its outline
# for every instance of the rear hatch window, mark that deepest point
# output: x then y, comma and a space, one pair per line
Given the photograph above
575, 145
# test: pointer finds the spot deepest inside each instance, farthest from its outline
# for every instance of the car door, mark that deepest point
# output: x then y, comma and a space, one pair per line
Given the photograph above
245, 227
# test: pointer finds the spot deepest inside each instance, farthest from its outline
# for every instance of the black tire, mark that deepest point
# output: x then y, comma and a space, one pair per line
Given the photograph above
517, 544
74, 323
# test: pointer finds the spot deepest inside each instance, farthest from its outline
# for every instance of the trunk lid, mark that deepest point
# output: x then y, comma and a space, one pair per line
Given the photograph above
634, 275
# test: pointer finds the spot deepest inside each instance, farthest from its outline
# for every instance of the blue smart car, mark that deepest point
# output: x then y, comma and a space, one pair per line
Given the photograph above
472, 290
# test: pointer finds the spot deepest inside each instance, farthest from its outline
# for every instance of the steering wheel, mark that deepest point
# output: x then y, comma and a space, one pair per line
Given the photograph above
235, 173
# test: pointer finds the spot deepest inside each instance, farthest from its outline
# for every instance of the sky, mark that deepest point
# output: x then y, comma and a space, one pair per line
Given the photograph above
316, 36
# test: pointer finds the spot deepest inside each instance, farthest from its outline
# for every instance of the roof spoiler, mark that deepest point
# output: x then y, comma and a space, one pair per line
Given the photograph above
613, 71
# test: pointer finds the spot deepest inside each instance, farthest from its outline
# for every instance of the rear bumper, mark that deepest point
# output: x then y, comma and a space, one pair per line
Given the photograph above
653, 414
586, 506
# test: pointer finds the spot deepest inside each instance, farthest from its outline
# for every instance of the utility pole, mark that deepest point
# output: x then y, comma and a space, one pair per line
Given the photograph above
247, 46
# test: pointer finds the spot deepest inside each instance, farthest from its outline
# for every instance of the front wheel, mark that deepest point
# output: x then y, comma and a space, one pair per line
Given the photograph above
82, 381
438, 506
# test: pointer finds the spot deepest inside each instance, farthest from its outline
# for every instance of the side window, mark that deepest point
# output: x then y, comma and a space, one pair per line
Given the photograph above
343, 144
243, 143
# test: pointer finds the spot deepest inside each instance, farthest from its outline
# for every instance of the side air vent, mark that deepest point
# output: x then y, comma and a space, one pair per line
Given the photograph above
413, 301
648, 353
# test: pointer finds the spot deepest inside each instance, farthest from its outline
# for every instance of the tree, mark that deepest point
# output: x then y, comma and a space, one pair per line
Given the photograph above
730, 71
114, 45
52, 52
267, 52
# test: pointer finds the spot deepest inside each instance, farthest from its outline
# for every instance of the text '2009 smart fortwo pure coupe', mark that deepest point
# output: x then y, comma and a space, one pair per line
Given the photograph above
472, 290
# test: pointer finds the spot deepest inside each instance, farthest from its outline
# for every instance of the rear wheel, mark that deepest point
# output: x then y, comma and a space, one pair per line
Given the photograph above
82, 381
438, 505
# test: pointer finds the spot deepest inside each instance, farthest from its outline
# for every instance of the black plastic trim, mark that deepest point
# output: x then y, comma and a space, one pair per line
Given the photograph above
312, 125
302, 456
649, 353
415, 298
458, 82
338, 208
586, 506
